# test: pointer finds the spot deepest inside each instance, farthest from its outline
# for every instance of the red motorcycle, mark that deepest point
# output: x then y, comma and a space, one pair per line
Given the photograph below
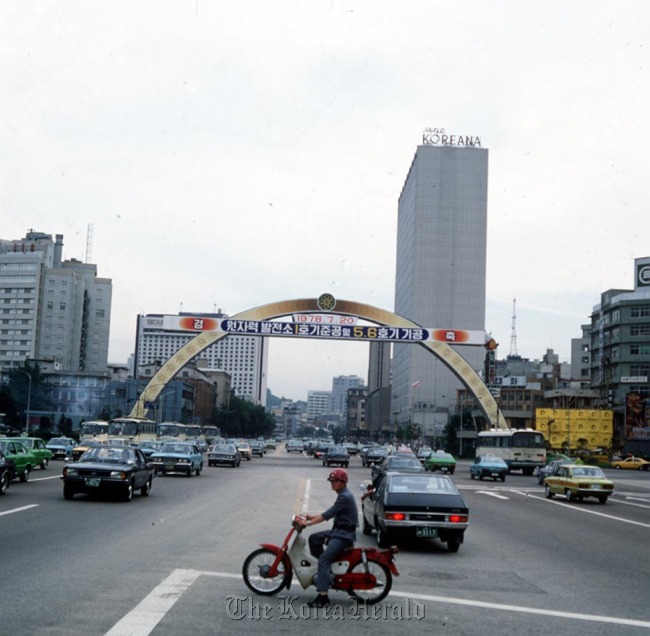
366, 574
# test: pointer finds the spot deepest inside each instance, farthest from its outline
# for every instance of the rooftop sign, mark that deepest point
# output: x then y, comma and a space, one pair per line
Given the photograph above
439, 137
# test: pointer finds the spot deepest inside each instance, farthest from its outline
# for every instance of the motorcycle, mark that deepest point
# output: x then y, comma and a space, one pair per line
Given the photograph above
366, 574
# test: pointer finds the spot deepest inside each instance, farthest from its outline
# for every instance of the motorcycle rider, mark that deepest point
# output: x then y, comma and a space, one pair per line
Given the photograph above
341, 536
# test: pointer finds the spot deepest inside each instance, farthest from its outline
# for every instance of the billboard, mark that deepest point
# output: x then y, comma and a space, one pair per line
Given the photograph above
637, 416
576, 428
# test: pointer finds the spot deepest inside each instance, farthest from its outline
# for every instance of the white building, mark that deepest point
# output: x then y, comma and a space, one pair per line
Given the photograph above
51, 309
440, 270
245, 358
340, 386
318, 404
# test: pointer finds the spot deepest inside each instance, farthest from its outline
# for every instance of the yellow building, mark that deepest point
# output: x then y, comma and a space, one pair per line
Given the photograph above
576, 428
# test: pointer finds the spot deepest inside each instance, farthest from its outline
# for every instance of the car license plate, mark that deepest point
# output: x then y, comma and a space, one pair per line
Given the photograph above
170, 466
495, 474
92, 481
426, 532
595, 486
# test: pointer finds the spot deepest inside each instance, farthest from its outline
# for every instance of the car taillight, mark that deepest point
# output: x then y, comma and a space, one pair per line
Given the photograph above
395, 516
458, 518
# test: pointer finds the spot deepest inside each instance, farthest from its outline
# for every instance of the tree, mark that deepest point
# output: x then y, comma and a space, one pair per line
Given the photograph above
241, 418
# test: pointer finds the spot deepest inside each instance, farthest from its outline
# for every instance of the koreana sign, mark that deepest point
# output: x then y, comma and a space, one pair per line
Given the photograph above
439, 137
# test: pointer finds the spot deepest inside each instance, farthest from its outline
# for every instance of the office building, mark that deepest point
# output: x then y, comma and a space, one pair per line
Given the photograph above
440, 268
318, 404
245, 358
52, 309
340, 387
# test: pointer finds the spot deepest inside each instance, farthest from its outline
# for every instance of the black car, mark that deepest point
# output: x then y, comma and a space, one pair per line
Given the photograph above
551, 469
113, 470
401, 463
149, 447
257, 448
224, 454
7, 472
415, 506
373, 455
336, 456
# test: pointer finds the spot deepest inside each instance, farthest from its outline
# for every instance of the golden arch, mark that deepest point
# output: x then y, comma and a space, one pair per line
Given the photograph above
451, 358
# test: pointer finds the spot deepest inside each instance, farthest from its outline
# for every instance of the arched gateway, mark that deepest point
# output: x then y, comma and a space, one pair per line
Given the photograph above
394, 328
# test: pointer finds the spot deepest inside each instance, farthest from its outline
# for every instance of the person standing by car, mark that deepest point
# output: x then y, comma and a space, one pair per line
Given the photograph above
341, 536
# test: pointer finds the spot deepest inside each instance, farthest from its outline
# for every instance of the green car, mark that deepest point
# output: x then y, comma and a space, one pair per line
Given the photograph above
444, 462
20, 455
38, 448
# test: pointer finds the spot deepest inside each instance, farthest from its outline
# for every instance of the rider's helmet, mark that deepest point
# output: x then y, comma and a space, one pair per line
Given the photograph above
338, 474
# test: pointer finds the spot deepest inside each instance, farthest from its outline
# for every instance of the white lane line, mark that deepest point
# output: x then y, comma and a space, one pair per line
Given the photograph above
142, 620
492, 494
32, 478
590, 512
305, 499
10, 512
525, 610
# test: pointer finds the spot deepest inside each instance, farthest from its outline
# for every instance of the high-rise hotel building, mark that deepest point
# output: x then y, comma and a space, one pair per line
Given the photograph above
51, 309
245, 358
440, 269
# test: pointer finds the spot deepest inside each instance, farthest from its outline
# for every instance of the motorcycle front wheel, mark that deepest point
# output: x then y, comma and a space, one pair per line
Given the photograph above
382, 587
255, 573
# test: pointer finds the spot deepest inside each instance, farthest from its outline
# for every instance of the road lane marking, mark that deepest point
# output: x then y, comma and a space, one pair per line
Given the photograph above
32, 478
10, 512
492, 494
590, 512
142, 620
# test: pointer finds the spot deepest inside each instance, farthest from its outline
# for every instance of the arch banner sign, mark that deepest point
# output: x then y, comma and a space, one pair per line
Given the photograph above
334, 331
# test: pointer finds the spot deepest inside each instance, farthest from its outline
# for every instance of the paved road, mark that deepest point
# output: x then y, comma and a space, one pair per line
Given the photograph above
170, 563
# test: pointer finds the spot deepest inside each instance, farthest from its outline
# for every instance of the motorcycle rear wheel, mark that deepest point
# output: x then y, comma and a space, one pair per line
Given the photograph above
253, 572
381, 589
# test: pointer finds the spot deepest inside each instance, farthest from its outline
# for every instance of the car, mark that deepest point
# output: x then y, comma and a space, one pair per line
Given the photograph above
112, 470
401, 463
444, 462
578, 481
257, 448
295, 446
319, 450
21, 457
38, 448
631, 463
353, 449
373, 455
177, 457
7, 469
245, 450
336, 456
61, 447
551, 469
489, 466
424, 452
270, 444
415, 506
82, 447
149, 447
224, 454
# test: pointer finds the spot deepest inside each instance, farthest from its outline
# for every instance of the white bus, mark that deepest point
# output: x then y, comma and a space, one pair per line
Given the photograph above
522, 448
93, 430
133, 429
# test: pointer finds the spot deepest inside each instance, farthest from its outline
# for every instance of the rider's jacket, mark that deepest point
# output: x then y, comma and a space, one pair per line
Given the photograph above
345, 514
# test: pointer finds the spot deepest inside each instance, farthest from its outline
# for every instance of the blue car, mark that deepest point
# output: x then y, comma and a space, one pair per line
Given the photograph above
489, 466
177, 457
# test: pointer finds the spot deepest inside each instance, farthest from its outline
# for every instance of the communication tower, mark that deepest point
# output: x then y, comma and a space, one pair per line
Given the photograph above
513, 332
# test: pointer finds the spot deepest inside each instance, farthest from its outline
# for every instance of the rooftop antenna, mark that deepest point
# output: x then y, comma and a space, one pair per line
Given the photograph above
513, 332
89, 242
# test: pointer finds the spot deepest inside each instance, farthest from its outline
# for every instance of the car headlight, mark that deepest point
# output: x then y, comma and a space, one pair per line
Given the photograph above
183, 461
118, 474
70, 472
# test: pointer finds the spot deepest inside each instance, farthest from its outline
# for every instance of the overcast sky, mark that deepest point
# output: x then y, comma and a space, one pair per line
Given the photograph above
230, 154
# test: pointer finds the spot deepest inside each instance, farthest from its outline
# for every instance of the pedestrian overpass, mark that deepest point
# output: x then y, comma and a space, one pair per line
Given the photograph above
387, 327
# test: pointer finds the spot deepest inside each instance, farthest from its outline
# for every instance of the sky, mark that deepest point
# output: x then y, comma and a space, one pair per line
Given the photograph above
230, 154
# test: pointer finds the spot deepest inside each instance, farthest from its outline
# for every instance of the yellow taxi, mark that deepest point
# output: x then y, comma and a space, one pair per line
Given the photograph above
577, 482
631, 463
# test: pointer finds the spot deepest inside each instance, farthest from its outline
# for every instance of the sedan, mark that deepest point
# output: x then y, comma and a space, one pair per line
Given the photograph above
444, 462
373, 455
489, 466
61, 447
21, 457
245, 450
224, 454
551, 469
631, 463
112, 470
336, 456
149, 447
576, 482
415, 506
401, 463
6, 473
36, 445
178, 457
257, 448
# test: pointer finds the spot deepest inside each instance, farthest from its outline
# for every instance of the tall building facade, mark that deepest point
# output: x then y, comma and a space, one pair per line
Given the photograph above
440, 268
318, 404
340, 387
245, 358
52, 309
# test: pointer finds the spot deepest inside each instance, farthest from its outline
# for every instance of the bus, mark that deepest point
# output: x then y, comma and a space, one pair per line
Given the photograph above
210, 433
132, 429
93, 430
522, 448
171, 431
